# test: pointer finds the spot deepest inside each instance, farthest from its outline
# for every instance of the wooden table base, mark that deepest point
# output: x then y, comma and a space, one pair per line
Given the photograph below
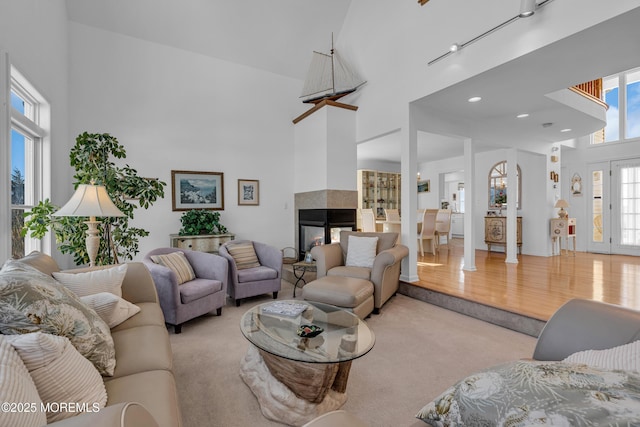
293, 392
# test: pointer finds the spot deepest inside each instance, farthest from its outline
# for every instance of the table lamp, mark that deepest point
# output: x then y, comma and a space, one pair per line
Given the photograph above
92, 201
561, 203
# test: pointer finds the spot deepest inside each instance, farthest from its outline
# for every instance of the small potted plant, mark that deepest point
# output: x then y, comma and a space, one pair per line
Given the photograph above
195, 222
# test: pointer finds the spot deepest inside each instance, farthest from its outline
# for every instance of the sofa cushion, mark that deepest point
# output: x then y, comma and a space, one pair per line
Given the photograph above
93, 282
60, 374
145, 348
32, 301
362, 251
624, 357
111, 308
198, 288
150, 314
256, 274
155, 390
41, 261
244, 255
18, 388
357, 272
178, 263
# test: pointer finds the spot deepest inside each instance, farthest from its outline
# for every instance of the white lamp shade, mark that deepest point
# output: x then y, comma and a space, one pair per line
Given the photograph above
89, 200
561, 203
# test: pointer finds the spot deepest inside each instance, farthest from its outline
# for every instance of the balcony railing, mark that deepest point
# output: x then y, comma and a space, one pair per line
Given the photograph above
593, 91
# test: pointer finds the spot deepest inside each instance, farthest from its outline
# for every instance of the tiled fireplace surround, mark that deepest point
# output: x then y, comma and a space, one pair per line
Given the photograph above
323, 199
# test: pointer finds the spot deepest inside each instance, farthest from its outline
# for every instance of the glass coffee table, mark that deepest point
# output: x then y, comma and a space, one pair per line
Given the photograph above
308, 348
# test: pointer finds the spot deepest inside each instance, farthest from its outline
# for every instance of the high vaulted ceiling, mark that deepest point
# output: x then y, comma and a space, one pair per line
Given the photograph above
275, 35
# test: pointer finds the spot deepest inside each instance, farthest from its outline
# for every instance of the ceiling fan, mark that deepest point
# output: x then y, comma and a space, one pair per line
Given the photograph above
422, 2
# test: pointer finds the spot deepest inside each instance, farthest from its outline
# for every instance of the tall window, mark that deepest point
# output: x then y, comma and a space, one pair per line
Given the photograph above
26, 168
621, 92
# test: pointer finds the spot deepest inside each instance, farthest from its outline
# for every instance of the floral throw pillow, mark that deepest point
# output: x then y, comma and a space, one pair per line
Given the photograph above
524, 393
32, 301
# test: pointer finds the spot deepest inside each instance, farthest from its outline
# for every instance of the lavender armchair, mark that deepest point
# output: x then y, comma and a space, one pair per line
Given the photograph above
206, 293
248, 282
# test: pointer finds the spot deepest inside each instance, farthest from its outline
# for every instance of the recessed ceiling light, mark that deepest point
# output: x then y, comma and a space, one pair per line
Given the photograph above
475, 99
566, 130
522, 116
454, 47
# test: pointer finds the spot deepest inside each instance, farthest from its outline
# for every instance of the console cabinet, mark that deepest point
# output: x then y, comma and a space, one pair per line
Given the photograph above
495, 231
559, 228
202, 242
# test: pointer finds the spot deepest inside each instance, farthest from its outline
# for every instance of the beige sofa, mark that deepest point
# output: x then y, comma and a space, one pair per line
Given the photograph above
142, 391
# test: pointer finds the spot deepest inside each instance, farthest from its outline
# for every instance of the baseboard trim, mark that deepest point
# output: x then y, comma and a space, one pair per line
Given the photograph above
506, 319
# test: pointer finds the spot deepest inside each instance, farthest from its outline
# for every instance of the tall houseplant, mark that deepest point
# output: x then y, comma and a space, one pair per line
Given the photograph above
91, 157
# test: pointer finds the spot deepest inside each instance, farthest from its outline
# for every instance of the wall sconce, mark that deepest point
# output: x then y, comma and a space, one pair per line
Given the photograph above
554, 176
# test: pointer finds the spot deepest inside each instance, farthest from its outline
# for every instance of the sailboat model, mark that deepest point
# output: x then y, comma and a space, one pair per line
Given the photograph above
329, 77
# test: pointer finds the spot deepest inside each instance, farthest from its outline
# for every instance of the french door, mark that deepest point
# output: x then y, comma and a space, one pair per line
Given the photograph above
614, 208
625, 179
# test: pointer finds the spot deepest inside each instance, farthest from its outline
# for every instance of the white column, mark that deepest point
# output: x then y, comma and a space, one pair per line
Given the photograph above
409, 169
512, 211
469, 263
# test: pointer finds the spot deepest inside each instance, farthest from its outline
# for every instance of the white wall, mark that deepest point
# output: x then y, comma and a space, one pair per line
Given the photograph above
325, 151
34, 35
390, 44
176, 110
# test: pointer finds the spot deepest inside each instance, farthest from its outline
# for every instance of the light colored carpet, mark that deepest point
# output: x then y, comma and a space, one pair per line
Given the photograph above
420, 350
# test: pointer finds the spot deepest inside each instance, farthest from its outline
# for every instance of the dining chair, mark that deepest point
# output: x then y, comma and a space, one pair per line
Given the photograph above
443, 225
368, 220
392, 214
428, 231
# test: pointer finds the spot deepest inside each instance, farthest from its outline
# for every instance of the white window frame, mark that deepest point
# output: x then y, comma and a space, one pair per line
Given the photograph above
622, 109
38, 161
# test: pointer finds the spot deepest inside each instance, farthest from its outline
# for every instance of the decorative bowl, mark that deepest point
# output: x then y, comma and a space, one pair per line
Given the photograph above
309, 331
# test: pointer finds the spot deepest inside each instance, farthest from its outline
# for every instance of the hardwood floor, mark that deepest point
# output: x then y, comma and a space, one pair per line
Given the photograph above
536, 286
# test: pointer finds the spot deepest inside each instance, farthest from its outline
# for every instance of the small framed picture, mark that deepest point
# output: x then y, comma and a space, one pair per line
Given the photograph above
424, 186
197, 190
248, 192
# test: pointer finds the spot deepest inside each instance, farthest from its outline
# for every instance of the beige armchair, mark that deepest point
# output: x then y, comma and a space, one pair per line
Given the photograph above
384, 274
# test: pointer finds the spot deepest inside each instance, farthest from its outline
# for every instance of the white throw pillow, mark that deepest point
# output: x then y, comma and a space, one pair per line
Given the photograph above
17, 388
361, 251
625, 357
111, 308
61, 374
93, 282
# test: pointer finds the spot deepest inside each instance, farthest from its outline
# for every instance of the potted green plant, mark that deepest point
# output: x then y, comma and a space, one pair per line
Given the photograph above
199, 221
91, 159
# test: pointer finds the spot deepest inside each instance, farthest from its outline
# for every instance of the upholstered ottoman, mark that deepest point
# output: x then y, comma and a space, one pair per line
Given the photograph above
353, 294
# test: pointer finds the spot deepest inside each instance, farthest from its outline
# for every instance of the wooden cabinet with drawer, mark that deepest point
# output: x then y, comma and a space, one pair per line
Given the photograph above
495, 231
203, 242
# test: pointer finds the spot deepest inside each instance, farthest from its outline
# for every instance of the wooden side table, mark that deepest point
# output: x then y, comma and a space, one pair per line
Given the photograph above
299, 268
559, 228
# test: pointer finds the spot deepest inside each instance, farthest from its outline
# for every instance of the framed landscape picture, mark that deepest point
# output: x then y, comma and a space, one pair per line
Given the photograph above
248, 192
424, 186
197, 190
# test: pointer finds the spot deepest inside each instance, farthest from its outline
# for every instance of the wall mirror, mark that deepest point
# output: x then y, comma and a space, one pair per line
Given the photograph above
498, 182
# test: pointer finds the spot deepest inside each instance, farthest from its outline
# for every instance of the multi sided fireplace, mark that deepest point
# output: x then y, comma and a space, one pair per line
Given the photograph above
321, 226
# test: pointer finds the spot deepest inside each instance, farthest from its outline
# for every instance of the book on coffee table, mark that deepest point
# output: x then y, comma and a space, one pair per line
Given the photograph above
285, 308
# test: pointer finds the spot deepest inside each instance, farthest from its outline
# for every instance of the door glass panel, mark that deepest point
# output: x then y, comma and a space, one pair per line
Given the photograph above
596, 205
629, 204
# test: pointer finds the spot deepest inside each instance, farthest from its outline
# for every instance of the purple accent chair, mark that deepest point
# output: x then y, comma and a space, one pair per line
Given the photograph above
249, 282
206, 293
